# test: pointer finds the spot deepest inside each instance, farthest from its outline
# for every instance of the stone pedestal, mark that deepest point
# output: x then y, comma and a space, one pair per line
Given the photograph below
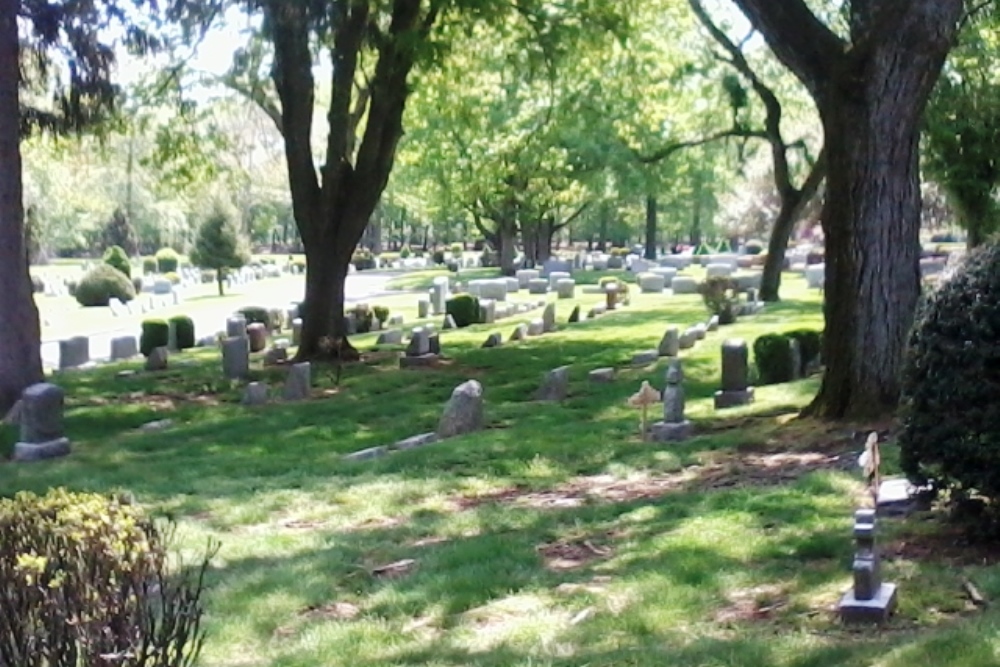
870, 600
670, 432
733, 399
876, 610
735, 376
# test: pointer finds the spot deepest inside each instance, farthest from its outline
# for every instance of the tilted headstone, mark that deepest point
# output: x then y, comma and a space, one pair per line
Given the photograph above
158, 359
555, 385
464, 411
256, 393
566, 288
493, 340
124, 347
236, 326
699, 331
601, 375
391, 337
713, 323
423, 308
574, 316
870, 600
520, 333
674, 426
298, 384
735, 376
41, 424
549, 318
74, 352
449, 323
670, 344
236, 357
536, 328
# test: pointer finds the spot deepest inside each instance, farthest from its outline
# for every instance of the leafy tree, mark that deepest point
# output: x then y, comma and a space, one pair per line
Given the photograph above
118, 233
117, 258
219, 246
870, 82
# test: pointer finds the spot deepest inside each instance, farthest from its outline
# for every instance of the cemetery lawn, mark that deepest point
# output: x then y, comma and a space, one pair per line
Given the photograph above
554, 538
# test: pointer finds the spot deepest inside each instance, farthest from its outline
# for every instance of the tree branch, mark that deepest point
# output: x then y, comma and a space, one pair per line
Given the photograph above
670, 149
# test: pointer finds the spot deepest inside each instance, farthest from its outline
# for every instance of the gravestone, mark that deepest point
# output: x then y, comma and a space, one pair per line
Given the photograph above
713, 323
549, 318
538, 286
236, 357
396, 320
423, 308
555, 385
651, 283
687, 340
434, 342
298, 384
816, 276
602, 375
416, 441
275, 356
40, 418
297, 331
574, 317
699, 331
117, 307
494, 289
520, 333
493, 340
554, 265
158, 359
257, 335
236, 326
645, 357
718, 271
674, 426
256, 393
392, 337
536, 328
172, 336
870, 600
735, 376
419, 343
74, 352
566, 288
670, 344
449, 323
464, 411
684, 285
440, 293
525, 276
488, 311
124, 347
795, 358
556, 276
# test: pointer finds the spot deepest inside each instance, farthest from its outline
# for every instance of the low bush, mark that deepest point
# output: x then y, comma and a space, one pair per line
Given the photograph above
382, 313
464, 309
102, 284
256, 314
184, 330
721, 297
438, 257
405, 252
363, 259
388, 257
773, 359
149, 265
173, 278
116, 257
155, 333
457, 249
618, 252
754, 247
167, 260
810, 345
86, 577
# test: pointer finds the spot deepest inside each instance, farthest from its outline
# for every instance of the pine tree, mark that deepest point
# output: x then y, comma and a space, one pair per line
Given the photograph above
219, 245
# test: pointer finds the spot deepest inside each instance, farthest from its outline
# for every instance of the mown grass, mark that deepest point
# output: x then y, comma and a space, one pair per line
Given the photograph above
554, 538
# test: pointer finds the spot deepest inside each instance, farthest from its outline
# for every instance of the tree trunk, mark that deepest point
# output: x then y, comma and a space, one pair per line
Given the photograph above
650, 227
602, 241
20, 343
871, 221
219, 281
507, 247
324, 328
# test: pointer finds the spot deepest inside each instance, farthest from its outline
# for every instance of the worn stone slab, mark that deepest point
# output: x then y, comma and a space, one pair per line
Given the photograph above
236, 357
687, 340
651, 283
416, 441
878, 610
124, 347
367, 454
41, 413
40, 451
645, 357
538, 286
712, 324
393, 337
898, 498
601, 375
236, 326
464, 411
732, 399
555, 385
670, 344
670, 431
420, 361
493, 340
298, 383
536, 328
684, 285
256, 393
566, 288
74, 352
520, 333
549, 318
158, 359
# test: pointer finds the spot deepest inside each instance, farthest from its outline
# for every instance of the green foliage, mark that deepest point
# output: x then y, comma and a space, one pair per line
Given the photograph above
363, 259
950, 415
155, 333
184, 330
772, 355
363, 317
721, 297
167, 260
257, 315
118, 232
218, 244
382, 313
457, 249
437, 256
149, 265
405, 252
87, 576
173, 278
464, 308
754, 247
810, 345
116, 257
102, 284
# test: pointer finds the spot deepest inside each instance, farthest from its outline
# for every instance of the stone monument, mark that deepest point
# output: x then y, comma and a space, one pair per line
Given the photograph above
41, 420
736, 389
870, 600
674, 425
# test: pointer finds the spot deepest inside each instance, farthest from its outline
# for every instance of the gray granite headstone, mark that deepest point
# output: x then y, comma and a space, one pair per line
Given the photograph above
735, 376
493, 340
236, 357
670, 344
645, 357
419, 343
423, 308
257, 333
555, 385
520, 333
256, 393
464, 411
296, 331
674, 426
449, 323
536, 327
549, 318
602, 375
392, 337
74, 352
870, 600
158, 359
298, 384
41, 424
236, 326
124, 347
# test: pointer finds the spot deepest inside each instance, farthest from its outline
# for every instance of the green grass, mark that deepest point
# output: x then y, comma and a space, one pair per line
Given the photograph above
553, 538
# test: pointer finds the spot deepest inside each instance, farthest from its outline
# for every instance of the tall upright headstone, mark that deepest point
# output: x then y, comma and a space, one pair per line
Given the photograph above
41, 421
736, 389
439, 295
236, 357
670, 344
298, 384
236, 326
870, 600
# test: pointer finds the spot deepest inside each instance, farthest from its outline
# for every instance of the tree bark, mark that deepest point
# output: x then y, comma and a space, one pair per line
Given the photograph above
650, 227
871, 95
20, 341
507, 246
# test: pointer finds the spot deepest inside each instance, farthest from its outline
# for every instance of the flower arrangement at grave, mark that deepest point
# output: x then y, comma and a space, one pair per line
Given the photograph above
642, 399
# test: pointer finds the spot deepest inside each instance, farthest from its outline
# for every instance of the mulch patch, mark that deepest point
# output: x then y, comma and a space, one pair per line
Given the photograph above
159, 402
563, 555
946, 544
752, 604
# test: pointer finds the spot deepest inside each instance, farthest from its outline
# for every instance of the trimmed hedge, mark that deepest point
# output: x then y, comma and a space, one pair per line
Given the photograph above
149, 265
464, 309
102, 284
116, 257
184, 328
810, 345
155, 333
167, 260
773, 358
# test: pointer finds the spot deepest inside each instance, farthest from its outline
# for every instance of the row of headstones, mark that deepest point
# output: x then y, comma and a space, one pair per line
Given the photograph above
462, 414
145, 304
297, 387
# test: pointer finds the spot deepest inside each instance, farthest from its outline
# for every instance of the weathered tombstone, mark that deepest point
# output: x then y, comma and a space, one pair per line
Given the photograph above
555, 265
735, 376
350, 325
124, 347
41, 424
74, 352
795, 358
870, 600
549, 318
423, 308
419, 343
396, 320
158, 359
566, 288
434, 342
674, 425
236, 357
296, 331
117, 307
236, 326
555, 385
493, 340
449, 323
257, 334
699, 331
172, 336
538, 286
440, 293
816, 276
392, 337
601, 375
464, 411
687, 340
520, 333
488, 311
718, 271
651, 283
684, 285
256, 393
536, 328
298, 384
416, 441
713, 323
555, 276
645, 357
670, 344
525, 276
276, 356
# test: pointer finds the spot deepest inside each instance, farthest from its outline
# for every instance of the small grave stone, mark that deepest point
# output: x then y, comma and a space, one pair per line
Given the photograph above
699, 331
74, 352
464, 411
525, 276
172, 336
434, 342
684, 285
870, 600
396, 320
645, 357
713, 323
419, 343
718, 271
898, 498
687, 340
597, 311
257, 334
549, 318
735, 376
566, 288
795, 358
670, 344
536, 328
440, 293
236, 326
298, 384
488, 311
158, 359
275, 356
124, 347
256, 393
651, 283
538, 286
41, 424
674, 426
350, 325
416, 441
423, 308
555, 385
556, 276
520, 333
117, 307
493, 340
297, 331
449, 323
367, 454
554, 265
392, 337
601, 375
816, 276
236, 357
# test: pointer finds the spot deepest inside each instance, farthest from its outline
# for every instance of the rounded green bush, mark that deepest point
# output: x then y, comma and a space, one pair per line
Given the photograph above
184, 329
950, 433
116, 257
382, 313
155, 333
754, 247
464, 309
773, 359
810, 345
149, 265
167, 260
256, 314
438, 256
102, 284
173, 278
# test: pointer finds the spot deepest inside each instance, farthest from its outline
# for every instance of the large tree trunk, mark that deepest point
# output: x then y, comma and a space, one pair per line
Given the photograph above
651, 224
507, 247
324, 328
20, 341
